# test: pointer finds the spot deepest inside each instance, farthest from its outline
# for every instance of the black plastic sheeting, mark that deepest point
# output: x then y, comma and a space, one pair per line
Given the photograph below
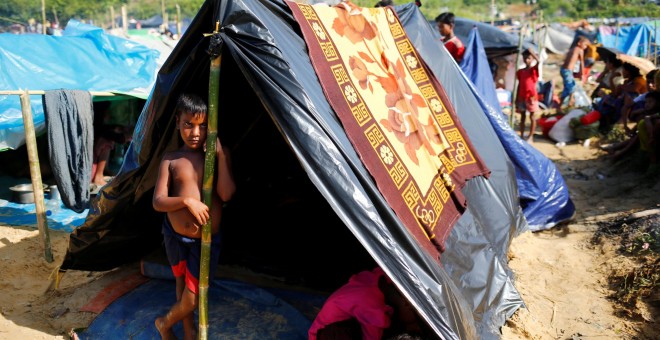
306, 210
497, 43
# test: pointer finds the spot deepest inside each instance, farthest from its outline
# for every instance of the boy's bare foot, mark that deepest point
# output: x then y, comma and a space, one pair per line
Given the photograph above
165, 335
530, 140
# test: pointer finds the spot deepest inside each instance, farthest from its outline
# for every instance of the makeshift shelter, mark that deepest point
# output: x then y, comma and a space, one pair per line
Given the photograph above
84, 58
555, 38
307, 210
543, 192
636, 40
501, 48
496, 42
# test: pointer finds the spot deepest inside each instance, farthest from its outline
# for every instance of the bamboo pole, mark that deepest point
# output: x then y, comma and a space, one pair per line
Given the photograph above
515, 79
124, 20
178, 21
113, 24
207, 190
43, 16
35, 174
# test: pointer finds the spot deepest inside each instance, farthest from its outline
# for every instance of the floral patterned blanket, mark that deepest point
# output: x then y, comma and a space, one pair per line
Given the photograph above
396, 114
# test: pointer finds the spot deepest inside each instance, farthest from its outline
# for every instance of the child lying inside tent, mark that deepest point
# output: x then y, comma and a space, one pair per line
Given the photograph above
369, 306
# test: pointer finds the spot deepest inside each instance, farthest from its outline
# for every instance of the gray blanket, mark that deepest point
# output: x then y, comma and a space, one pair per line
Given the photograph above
69, 121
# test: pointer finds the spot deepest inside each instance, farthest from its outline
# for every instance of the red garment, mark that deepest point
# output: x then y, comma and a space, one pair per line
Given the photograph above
361, 299
527, 79
456, 48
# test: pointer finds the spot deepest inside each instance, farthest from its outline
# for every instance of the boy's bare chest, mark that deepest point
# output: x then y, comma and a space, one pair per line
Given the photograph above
186, 171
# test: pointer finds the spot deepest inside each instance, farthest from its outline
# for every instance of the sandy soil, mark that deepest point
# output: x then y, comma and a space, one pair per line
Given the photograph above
563, 274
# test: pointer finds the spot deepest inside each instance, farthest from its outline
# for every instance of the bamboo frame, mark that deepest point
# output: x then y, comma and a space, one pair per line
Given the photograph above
35, 174
514, 94
207, 190
33, 157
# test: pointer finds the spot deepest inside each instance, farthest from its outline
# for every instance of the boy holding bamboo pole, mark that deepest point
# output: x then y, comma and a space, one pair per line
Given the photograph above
178, 192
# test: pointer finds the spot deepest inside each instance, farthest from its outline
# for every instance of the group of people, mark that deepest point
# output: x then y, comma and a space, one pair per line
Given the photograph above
369, 306
633, 101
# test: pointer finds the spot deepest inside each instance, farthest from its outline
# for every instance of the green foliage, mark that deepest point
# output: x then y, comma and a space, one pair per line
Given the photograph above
99, 10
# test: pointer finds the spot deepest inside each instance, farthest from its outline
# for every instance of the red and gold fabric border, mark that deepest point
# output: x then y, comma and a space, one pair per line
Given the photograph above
396, 114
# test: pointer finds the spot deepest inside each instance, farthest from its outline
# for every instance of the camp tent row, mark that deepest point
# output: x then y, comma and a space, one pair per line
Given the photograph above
286, 143
84, 58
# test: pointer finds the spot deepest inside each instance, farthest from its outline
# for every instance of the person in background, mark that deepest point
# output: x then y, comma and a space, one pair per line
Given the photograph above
634, 108
384, 3
178, 193
106, 136
646, 133
573, 65
454, 45
527, 97
611, 106
611, 77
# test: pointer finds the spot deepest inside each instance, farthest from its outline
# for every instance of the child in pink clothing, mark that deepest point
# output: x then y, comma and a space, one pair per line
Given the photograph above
367, 307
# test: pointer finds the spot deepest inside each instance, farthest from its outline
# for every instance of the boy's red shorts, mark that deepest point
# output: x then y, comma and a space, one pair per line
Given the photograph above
184, 253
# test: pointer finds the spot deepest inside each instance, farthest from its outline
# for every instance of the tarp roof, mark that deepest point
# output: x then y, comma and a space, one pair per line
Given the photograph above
286, 142
84, 58
496, 42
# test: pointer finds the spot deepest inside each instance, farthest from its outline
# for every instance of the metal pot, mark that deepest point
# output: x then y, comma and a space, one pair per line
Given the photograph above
23, 193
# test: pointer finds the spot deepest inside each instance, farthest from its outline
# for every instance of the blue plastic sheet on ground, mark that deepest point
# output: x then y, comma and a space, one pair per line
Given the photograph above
237, 310
58, 217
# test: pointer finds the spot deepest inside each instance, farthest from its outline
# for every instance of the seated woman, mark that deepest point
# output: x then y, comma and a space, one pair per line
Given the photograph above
634, 109
644, 138
611, 106
611, 77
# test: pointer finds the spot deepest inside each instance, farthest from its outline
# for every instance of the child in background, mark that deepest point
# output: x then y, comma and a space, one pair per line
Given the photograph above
573, 65
178, 192
454, 45
527, 97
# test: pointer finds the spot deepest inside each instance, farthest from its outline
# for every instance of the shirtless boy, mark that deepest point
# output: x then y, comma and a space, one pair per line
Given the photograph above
178, 193
574, 63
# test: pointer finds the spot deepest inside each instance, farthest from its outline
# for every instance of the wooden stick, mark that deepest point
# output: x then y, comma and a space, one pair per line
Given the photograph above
207, 191
35, 174
514, 95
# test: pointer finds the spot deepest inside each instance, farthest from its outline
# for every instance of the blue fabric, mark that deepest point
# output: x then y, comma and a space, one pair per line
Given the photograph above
237, 310
58, 217
84, 58
69, 118
632, 40
543, 193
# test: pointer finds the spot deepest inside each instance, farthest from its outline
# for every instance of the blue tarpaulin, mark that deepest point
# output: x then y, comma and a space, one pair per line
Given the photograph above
543, 193
636, 40
83, 58
237, 310
58, 216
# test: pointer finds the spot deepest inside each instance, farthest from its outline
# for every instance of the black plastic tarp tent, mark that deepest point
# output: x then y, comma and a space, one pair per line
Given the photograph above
497, 43
306, 208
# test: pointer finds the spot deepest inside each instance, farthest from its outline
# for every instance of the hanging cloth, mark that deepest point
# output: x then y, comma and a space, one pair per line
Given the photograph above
69, 122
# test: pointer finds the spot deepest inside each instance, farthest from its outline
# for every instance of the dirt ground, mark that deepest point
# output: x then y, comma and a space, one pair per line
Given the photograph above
596, 277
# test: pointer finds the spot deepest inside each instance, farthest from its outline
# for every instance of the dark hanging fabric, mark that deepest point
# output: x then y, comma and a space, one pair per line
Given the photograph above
69, 122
